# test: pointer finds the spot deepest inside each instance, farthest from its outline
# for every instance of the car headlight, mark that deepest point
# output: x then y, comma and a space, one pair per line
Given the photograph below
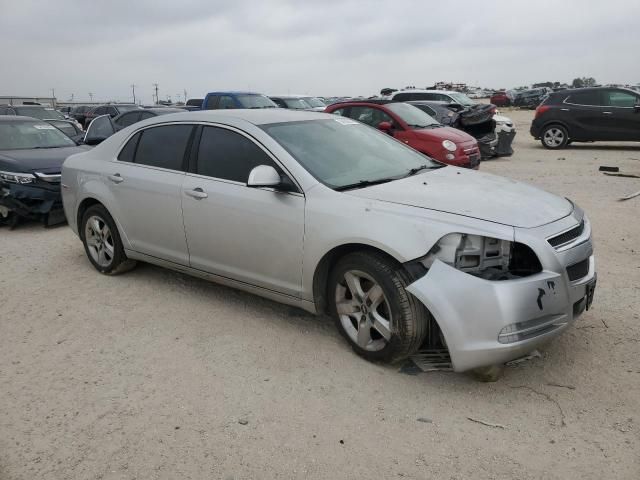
449, 145
484, 257
21, 178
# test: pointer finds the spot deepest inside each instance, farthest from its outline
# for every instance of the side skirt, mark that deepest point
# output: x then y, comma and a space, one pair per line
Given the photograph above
229, 282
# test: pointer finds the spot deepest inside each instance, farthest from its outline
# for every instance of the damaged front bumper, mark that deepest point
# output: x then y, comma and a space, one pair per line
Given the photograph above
35, 202
486, 322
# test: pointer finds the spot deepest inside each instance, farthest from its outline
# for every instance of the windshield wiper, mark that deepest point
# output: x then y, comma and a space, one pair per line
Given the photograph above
415, 170
363, 183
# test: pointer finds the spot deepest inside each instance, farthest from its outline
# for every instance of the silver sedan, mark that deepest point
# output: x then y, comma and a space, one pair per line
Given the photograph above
329, 215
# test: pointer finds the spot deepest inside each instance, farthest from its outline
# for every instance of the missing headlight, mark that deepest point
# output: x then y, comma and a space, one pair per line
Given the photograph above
484, 257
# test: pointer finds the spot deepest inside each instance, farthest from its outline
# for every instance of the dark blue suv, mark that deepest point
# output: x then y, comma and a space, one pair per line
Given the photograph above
225, 100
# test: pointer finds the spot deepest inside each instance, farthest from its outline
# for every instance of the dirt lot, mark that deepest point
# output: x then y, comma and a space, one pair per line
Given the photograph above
157, 375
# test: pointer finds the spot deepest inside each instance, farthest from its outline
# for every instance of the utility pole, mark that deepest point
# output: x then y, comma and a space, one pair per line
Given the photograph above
133, 91
155, 86
185, 95
53, 95
91, 96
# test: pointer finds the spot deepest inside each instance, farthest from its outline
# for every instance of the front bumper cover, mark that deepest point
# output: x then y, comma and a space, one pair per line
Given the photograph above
488, 322
33, 201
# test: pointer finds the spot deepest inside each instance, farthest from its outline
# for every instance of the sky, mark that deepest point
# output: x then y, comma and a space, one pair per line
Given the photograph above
318, 47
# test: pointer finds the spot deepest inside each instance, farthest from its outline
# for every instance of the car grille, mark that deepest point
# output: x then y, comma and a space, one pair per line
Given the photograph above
578, 270
566, 237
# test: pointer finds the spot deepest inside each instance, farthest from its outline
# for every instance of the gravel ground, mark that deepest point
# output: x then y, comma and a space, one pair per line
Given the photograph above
157, 375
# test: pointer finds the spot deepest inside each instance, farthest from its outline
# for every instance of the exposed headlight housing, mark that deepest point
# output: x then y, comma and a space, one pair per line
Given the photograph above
484, 257
13, 177
449, 145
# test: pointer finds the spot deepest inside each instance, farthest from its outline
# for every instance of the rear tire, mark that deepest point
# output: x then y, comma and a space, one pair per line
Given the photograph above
554, 137
372, 309
102, 242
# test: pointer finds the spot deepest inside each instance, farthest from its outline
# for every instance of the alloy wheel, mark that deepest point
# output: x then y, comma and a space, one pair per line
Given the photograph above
553, 137
364, 311
99, 241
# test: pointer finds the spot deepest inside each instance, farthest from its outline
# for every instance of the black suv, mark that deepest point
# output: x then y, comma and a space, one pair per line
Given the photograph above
587, 115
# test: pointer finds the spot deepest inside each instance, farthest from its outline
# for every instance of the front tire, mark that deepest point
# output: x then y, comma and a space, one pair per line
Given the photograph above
372, 309
554, 137
102, 242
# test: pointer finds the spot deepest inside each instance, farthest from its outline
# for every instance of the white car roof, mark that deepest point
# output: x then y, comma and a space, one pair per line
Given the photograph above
258, 116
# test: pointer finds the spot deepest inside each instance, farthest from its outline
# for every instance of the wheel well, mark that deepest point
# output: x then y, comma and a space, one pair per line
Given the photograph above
552, 123
83, 207
321, 275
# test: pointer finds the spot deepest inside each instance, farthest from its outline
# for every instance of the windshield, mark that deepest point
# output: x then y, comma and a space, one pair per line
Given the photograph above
296, 103
25, 135
256, 101
412, 116
341, 152
314, 102
41, 113
462, 99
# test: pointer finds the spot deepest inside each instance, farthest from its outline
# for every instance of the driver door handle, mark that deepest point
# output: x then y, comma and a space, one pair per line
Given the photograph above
197, 193
607, 113
116, 178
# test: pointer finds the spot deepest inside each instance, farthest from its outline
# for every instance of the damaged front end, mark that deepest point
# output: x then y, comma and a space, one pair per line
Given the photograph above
32, 196
495, 300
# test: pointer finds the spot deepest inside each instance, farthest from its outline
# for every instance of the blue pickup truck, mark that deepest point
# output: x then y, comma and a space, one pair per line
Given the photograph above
225, 100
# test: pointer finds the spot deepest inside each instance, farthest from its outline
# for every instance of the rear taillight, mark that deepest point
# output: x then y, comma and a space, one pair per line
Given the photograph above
541, 109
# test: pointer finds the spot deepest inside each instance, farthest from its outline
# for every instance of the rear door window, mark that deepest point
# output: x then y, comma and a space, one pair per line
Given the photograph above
228, 155
589, 98
163, 146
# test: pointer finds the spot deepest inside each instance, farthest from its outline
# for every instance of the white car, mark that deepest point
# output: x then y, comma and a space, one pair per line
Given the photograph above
331, 215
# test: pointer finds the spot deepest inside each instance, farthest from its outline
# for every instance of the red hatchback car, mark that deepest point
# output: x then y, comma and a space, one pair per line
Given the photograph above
415, 128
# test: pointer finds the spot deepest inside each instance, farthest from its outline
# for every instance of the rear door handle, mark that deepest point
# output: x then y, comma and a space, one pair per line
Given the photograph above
197, 193
116, 178
607, 113
565, 109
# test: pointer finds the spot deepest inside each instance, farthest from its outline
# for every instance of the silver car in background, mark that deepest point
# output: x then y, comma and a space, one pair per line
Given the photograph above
330, 215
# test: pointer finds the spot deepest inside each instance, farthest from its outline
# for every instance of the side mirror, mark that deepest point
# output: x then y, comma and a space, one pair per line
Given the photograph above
267, 176
385, 126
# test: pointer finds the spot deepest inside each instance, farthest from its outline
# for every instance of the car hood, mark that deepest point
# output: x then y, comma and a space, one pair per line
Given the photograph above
444, 133
29, 160
473, 194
